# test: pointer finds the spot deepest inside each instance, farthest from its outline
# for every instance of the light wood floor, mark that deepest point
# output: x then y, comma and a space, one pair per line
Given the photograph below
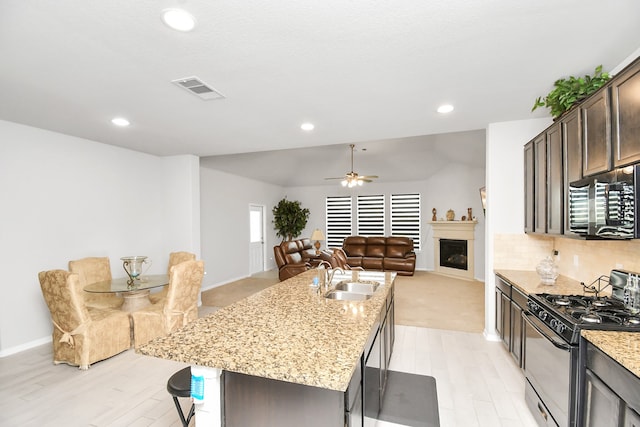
478, 384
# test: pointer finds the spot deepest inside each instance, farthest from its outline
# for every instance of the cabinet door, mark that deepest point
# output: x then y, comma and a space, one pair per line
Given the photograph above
572, 155
516, 333
540, 184
596, 133
602, 406
499, 315
506, 321
625, 102
528, 187
631, 418
555, 184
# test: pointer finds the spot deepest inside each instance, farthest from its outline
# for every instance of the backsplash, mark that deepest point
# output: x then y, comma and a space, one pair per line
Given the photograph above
594, 257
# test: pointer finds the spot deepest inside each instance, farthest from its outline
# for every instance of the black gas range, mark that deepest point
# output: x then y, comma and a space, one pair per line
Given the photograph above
568, 314
555, 383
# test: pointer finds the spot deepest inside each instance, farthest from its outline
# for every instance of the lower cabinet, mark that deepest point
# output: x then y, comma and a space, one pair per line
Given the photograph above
611, 393
510, 303
377, 357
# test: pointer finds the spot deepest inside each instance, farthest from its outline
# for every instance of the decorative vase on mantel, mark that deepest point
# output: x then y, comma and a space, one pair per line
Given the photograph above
450, 215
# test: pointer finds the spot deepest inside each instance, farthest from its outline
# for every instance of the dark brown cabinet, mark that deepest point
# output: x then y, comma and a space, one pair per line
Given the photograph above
572, 157
555, 184
528, 188
596, 133
510, 303
540, 184
625, 107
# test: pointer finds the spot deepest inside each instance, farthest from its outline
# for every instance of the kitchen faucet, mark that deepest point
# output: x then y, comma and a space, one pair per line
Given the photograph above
328, 275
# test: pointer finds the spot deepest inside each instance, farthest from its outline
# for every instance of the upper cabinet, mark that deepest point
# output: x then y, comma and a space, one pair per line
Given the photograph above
596, 133
528, 188
625, 94
540, 184
571, 156
555, 184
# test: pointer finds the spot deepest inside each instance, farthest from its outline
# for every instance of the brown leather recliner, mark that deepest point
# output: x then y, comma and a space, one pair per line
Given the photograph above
293, 257
381, 253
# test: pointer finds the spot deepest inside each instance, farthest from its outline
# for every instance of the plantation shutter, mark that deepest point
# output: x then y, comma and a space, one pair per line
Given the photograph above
371, 215
405, 217
338, 220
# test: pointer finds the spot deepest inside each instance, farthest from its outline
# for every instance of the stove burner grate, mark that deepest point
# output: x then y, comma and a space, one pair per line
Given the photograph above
591, 318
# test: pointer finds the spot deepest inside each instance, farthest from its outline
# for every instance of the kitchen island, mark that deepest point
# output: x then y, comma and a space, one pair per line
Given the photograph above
286, 351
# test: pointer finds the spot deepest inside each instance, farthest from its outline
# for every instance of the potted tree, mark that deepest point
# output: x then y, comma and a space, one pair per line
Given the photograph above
569, 91
289, 219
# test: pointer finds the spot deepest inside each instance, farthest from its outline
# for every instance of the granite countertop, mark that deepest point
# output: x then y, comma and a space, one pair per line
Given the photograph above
528, 282
623, 347
285, 332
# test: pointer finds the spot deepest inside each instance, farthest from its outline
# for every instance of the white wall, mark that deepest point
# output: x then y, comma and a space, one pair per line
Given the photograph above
66, 198
456, 187
225, 201
505, 194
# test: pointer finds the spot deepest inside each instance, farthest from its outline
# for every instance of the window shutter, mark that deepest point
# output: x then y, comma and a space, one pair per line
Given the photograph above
338, 220
371, 215
405, 217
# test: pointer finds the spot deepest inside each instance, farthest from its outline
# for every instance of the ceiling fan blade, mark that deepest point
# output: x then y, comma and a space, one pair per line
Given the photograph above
342, 177
369, 176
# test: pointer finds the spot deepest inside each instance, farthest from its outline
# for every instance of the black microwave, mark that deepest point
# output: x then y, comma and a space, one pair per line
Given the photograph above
604, 205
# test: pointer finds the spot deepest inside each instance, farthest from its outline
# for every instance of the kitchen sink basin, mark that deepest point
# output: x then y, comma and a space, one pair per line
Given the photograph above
347, 296
357, 287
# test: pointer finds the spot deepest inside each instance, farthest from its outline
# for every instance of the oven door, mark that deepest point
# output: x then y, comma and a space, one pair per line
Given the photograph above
551, 370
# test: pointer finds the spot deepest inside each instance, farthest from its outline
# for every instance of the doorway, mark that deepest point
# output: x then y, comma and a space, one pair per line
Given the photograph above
256, 239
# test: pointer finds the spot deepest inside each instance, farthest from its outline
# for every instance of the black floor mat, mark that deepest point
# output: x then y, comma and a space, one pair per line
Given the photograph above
410, 400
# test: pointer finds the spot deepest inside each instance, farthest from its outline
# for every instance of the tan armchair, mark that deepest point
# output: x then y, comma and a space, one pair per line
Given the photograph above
175, 258
81, 335
176, 310
92, 270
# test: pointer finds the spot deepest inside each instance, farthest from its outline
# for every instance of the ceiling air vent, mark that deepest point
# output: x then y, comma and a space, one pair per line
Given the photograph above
198, 88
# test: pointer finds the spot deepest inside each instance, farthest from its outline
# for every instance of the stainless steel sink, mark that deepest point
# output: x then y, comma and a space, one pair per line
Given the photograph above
347, 296
357, 287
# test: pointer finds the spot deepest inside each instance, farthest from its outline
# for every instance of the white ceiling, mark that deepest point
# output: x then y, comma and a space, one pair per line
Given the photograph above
361, 71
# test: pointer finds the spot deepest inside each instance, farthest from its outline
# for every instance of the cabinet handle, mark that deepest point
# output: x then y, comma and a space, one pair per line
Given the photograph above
542, 411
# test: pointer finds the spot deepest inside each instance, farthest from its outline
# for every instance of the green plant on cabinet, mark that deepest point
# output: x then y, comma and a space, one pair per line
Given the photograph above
569, 91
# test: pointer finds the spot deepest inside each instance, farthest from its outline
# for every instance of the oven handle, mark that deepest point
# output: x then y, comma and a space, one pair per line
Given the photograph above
561, 345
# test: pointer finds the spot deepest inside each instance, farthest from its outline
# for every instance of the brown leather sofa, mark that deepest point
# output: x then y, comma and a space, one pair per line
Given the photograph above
381, 253
295, 256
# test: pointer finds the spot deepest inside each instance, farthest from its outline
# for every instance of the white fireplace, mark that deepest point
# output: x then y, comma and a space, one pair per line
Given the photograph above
453, 248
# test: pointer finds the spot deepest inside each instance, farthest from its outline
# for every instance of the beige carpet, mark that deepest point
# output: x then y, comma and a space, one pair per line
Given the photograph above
425, 299
434, 301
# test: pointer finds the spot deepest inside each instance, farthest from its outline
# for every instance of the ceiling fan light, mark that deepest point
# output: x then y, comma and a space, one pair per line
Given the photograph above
344, 183
360, 182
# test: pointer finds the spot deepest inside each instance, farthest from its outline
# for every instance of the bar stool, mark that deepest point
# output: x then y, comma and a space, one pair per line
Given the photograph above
179, 385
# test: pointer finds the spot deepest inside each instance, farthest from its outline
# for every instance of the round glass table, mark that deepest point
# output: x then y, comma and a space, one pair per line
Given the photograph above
136, 295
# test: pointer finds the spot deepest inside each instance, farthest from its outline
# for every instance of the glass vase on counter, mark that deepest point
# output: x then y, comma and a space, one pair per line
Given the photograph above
548, 271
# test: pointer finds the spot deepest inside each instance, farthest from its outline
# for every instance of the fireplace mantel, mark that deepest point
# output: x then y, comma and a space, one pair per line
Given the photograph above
457, 230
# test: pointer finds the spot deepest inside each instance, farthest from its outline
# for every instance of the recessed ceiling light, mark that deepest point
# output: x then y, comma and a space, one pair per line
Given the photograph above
307, 126
178, 19
120, 121
447, 108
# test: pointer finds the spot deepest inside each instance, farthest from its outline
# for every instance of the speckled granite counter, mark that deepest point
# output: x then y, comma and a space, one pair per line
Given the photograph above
529, 283
623, 347
286, 332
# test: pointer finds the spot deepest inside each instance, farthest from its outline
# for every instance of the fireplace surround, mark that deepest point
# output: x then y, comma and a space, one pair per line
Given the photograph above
453, 248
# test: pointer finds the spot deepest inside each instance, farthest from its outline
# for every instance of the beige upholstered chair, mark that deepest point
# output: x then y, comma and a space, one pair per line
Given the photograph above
176, 310
92, 270
81, 335
175, 258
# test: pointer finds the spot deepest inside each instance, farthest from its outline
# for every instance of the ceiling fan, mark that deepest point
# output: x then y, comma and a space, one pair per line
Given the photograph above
351, 179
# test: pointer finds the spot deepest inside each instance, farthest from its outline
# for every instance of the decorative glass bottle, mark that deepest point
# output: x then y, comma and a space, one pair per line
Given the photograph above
548, 271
